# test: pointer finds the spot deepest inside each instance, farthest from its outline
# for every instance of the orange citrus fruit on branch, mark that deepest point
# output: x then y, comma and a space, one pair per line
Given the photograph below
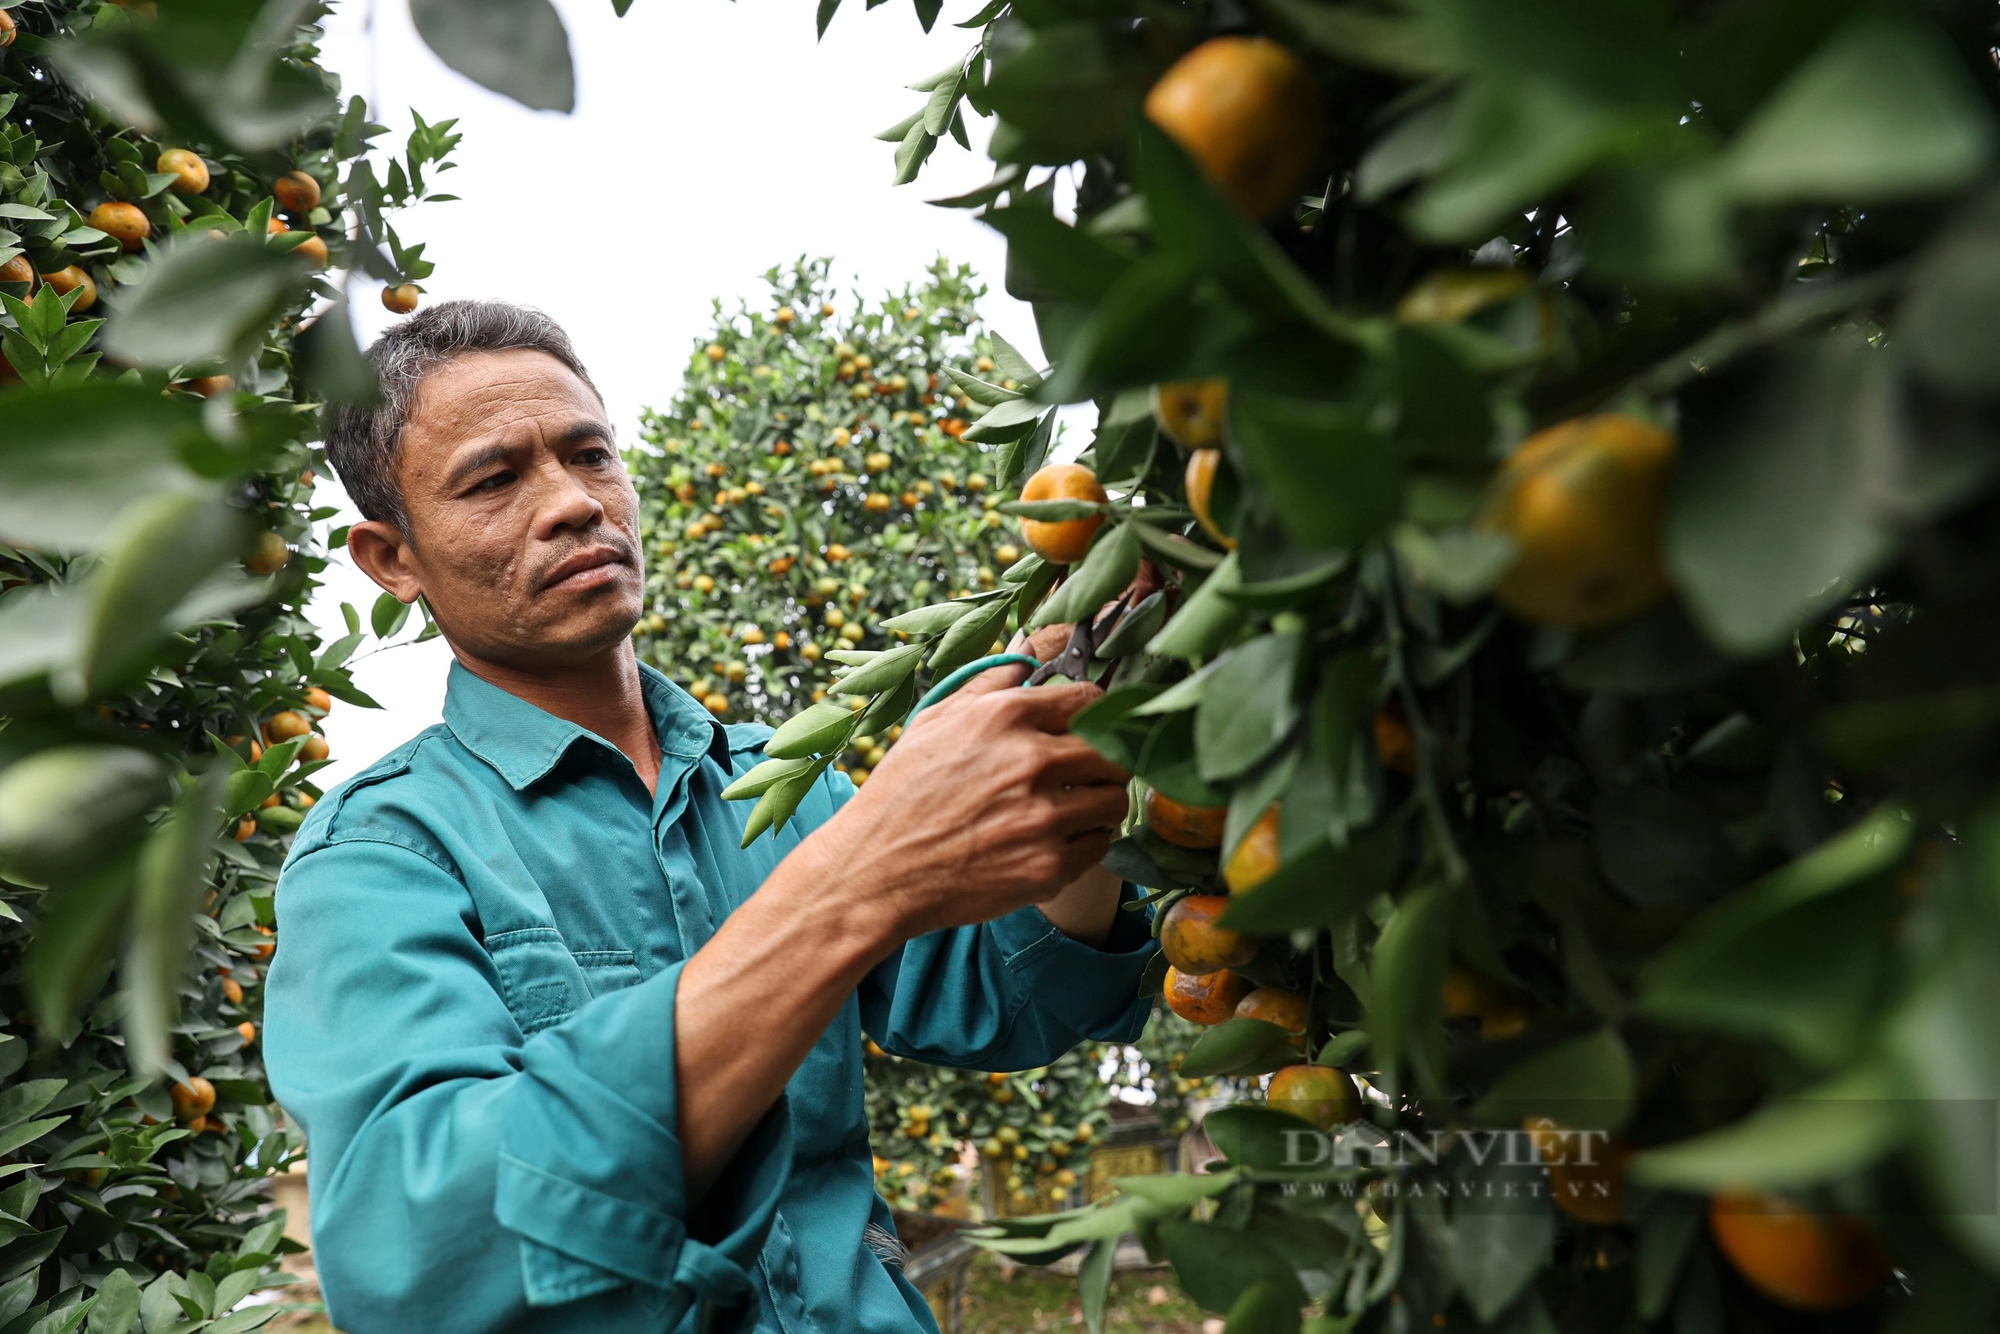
286, 724
1204, 998
1062, 541
192, 1099
270, 554
1195, 943
1582, 502
1202, 465
1587, 1170
315, 749
313, 248
6, 28
67, 280
17, 269
317, 698
124, 223
1321, 1095
1255, 859
1191, 413
1275, 1005
1394, 742
1184, 826
1247, 111
400, 299
190, 173
1795, 1256
296, 193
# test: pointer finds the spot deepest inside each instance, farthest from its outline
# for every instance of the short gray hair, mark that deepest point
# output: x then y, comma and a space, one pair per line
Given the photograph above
362, 441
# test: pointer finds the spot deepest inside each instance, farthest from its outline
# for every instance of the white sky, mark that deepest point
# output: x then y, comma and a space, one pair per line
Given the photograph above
710, 141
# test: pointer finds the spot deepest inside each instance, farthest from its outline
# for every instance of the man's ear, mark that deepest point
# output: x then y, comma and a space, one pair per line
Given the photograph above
385, 555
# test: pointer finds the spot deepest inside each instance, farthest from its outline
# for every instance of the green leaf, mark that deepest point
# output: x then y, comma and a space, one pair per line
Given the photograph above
1093, 1281
1105, 571
69, 805
1247, 708
22, 1101
1775, 512
1068, 92
39, 629
929, 620
1459, 563
883, 673
969, 637
1320, 884
1106, 723
1828, 1132
1332, 478
1167, 761
28, 1132
1205, 620
517, 48
172, 875
759, 780
1218, 1265
781, 800
980, 391
1009, 421
246, 791
1264, 1308
1796, 957
1496, 1242
162, 550
1407, 1010
331, 362
1884, 110
204, 301
1237, 1046
116, 1305
1049, 258
388, 616
72, 459
1586, 1083
821, 729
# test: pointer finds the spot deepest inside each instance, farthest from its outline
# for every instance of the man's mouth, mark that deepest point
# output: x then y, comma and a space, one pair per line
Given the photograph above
589, 568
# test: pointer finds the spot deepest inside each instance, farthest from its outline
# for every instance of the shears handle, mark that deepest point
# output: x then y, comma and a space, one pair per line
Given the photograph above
966, 673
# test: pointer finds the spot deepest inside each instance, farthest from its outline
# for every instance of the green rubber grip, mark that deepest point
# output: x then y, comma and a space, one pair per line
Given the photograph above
966, 673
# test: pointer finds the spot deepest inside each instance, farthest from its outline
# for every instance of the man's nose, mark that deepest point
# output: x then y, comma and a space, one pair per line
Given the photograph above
565, 503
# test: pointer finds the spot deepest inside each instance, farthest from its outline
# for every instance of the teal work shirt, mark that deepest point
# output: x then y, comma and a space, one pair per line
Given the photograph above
471, 1012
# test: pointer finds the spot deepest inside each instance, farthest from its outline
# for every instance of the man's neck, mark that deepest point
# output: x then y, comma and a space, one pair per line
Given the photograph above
601, 694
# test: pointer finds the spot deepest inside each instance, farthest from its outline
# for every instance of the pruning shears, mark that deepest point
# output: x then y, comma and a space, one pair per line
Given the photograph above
1073, 662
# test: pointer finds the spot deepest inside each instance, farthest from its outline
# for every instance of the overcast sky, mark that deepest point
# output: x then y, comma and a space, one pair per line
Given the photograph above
710, 141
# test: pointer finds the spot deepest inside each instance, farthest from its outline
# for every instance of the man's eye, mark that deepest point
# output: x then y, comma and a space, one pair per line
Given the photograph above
591, 458
493, 483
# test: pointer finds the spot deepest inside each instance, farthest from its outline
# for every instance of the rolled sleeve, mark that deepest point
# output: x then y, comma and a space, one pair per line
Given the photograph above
463, 1172
1010, 994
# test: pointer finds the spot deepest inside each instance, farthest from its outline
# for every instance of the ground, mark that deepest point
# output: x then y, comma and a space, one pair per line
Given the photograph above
1142, 1302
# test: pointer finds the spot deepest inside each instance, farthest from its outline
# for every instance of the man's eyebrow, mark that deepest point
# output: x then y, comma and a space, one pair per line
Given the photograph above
481, 459
477, 461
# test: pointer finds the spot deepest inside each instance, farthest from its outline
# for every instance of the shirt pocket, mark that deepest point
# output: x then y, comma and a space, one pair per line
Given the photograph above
544, 982
606, 971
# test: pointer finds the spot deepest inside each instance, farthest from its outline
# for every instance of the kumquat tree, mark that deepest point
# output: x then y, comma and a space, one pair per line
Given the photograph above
814, 477
1539, 547
180, 188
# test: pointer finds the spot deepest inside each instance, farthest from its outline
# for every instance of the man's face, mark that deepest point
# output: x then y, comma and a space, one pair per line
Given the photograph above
523, 523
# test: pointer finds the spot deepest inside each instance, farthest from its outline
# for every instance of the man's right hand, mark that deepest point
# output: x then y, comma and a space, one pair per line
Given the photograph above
985, 805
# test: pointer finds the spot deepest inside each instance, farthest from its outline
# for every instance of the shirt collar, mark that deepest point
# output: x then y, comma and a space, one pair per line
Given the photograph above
523, 743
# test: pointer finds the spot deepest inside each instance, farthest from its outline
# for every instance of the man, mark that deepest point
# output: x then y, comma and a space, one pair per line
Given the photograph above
568, 1058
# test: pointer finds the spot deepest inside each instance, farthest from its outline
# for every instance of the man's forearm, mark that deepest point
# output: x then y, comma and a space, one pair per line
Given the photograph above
1087, 908
757, 996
